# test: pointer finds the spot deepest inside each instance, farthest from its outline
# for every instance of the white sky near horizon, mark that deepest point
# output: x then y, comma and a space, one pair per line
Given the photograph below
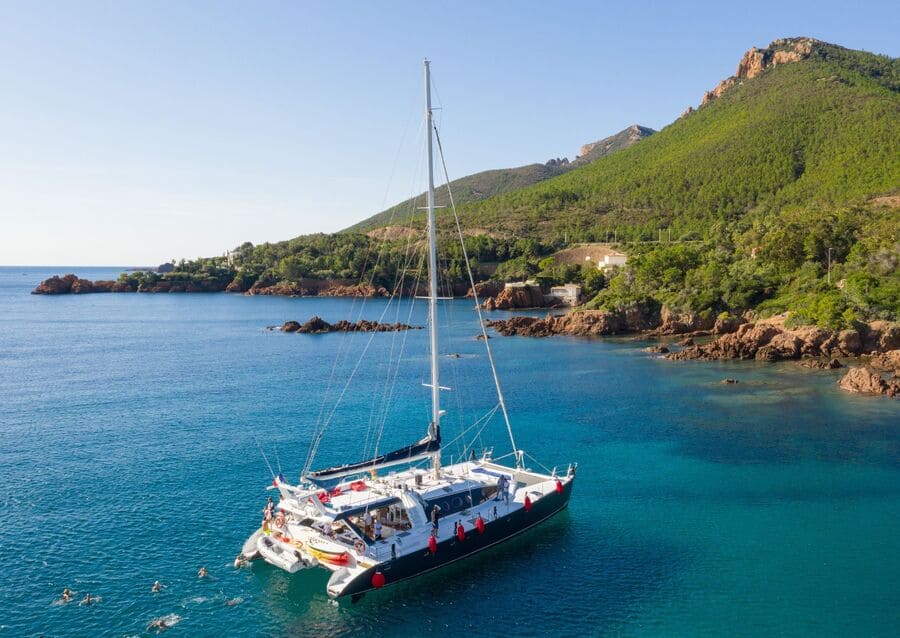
132, 133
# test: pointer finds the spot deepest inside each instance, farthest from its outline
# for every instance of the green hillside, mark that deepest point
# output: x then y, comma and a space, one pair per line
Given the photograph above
818, 131
486, 184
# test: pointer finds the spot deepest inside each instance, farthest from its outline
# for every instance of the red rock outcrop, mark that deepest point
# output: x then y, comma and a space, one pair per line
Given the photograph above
755, 61
864, 380
767, 341
520, 297
676, 323
323, 288
579, 323
55, 285
486, 289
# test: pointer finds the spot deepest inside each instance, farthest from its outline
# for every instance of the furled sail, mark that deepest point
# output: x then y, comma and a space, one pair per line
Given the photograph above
421, 449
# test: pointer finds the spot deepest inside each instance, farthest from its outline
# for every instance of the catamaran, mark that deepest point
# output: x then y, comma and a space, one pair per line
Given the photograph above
372, 528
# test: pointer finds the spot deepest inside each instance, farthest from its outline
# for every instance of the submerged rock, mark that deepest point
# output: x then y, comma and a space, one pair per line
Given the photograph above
820, 364
657, 349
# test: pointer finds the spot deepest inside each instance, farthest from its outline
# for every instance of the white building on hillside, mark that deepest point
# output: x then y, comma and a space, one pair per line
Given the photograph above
569, 294
612, 259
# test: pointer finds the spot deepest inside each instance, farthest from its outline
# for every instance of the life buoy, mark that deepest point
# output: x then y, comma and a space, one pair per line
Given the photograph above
360, 547
279, 519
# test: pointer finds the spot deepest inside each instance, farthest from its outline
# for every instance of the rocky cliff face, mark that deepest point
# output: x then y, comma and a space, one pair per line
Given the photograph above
755, 61
623, 139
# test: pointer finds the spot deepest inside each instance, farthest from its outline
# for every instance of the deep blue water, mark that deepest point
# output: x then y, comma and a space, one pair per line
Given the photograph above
128, 454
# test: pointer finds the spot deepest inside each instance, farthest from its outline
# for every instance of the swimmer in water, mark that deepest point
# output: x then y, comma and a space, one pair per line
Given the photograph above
202, 573
66, 595
88, 599
156, 587
159, 624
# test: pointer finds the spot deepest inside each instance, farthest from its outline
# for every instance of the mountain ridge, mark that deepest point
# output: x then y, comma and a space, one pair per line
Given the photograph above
486, 184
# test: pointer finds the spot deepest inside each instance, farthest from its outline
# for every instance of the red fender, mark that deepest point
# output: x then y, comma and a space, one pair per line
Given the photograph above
527, 503
460, 532
432, 544
479, 524
559, 487
378, 580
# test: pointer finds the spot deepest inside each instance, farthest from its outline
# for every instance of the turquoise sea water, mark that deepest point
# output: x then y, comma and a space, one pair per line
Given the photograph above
128, 454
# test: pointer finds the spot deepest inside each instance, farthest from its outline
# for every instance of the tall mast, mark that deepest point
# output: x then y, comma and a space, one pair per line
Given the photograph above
432, 274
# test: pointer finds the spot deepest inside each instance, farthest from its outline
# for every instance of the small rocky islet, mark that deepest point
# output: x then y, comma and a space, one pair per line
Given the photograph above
317, 325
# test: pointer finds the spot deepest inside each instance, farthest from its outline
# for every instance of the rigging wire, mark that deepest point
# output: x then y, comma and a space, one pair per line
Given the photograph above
484, 334
343, 346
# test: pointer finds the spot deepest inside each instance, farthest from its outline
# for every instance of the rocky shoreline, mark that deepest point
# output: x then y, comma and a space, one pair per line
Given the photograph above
875, 345
317, 325
74, 285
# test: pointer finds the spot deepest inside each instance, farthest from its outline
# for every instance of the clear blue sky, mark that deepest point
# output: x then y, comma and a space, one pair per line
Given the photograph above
133, 132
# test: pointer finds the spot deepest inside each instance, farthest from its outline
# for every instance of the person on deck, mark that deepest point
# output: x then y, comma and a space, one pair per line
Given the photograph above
377, 529
435, 515
502, 484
